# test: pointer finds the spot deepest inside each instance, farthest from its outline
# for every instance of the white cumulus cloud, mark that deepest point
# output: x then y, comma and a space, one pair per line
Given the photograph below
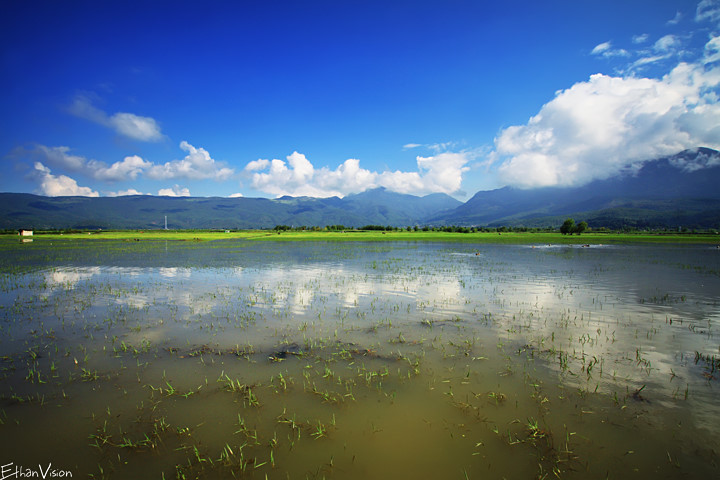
123, 193
297, 176
197, 165
175, 191
133, 126
348, 177
58, 185
127, 169
257, 165
443, 172
602, 126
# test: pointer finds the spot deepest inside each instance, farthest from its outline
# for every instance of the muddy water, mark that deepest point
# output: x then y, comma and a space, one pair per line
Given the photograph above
317, 360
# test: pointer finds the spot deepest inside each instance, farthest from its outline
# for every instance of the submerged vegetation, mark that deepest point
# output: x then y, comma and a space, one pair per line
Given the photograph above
246, 359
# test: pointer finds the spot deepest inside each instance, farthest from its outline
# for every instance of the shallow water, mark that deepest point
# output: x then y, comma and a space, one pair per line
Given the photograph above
324, 360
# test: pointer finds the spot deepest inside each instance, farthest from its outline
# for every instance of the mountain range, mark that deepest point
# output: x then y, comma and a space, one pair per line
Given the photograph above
378, 206
675, 191
680, 190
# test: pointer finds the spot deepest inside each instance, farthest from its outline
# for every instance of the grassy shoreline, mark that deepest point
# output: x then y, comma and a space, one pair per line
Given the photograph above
591, 238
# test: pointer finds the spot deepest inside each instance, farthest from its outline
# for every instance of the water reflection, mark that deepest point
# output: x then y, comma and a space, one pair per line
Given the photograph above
549, 333
64, 277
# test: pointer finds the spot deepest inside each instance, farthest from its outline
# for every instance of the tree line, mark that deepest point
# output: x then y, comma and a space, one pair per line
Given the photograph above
569, 227
417, 228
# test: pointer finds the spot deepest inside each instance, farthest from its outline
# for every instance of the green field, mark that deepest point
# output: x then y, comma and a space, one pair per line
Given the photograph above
403, 236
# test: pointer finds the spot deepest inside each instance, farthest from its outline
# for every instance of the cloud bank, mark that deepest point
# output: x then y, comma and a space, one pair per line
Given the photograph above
127, 169
58, 185
176, 191
197, 165
124, 193
604, 125
297, 176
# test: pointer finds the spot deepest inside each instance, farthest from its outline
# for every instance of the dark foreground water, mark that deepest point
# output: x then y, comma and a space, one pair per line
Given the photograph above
320, 360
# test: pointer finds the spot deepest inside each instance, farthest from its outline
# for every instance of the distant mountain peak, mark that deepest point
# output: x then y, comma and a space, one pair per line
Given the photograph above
370, 191
695, 159
679, 189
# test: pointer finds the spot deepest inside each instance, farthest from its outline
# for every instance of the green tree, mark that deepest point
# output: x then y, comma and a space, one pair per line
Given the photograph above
581, 227
568, 227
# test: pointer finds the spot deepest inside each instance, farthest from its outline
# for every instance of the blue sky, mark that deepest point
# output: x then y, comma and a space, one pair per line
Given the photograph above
270, 98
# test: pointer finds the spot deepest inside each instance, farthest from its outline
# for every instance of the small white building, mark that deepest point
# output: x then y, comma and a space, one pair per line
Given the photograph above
25, 233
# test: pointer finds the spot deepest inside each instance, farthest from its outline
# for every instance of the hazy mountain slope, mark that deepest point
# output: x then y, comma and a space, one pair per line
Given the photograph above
377, 207
383, 207
134, 212
683, 189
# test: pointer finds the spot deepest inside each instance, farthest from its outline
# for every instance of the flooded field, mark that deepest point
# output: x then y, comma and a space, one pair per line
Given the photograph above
238, 359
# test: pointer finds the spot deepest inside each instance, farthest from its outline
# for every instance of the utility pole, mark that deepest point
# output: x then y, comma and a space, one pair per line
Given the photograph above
165, 222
